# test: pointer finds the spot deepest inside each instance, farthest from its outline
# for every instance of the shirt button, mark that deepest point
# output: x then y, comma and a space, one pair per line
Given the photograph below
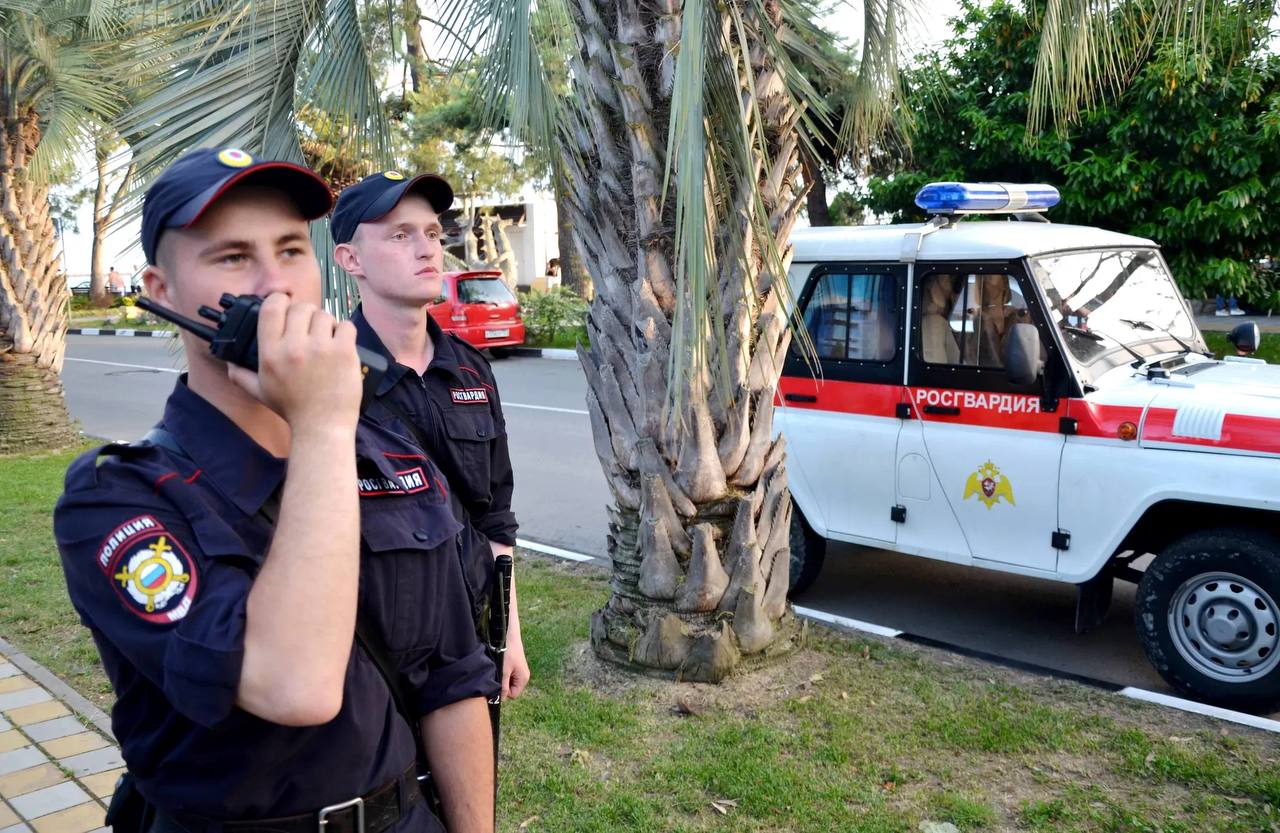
421, 535
479, 432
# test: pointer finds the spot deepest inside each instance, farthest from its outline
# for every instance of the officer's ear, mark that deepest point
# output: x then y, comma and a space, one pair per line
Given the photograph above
159, 285
349, 259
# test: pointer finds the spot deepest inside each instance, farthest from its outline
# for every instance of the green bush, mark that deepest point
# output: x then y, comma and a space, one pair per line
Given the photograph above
548, 313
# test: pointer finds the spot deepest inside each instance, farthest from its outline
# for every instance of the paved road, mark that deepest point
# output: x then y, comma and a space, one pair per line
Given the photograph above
561, 497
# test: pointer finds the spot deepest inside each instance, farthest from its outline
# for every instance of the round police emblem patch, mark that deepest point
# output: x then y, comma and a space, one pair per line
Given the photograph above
393, 175
235, 158
155, 578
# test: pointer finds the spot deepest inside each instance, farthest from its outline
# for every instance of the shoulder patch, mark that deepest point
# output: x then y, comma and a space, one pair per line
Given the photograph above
469, 396
150, 569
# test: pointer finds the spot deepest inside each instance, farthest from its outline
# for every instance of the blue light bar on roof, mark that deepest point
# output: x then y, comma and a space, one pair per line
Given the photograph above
985, 197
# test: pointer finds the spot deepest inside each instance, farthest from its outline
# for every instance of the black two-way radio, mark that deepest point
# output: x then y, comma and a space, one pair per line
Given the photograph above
235, 339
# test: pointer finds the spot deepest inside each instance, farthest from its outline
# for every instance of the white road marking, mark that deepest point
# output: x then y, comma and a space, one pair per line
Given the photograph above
846, 622
1256, 722
122, 364
556, 551
543, 408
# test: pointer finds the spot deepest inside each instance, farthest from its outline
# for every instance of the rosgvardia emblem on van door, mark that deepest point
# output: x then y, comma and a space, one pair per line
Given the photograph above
988, 485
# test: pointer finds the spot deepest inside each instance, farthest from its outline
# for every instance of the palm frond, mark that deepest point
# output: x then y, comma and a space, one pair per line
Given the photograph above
695, 196
1090, 49
877, 97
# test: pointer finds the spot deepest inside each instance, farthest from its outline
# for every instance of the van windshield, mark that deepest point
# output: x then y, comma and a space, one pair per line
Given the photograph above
1107, 300
484, 291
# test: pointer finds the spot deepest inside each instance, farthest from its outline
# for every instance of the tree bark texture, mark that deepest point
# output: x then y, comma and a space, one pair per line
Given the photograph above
104, 211
818, 210
698, 535
33, 301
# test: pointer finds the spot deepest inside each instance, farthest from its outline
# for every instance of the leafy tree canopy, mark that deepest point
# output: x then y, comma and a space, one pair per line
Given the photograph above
1186, 156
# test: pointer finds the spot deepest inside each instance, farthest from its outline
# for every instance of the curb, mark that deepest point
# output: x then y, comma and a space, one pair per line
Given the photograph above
96, 331
82, 707
544, 353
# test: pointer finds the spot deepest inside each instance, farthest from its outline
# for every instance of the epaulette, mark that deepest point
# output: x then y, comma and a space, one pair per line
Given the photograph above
471, 348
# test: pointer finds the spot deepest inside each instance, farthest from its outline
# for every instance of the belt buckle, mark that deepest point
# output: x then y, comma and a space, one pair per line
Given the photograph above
358, 803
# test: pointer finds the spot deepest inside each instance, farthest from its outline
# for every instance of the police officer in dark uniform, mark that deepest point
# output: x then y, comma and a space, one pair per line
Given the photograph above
438, 388
220, 565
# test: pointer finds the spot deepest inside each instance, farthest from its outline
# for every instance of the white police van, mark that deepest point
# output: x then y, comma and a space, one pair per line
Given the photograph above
1035, 398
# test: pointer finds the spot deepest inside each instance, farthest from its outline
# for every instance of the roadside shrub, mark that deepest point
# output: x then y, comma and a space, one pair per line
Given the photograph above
548, 313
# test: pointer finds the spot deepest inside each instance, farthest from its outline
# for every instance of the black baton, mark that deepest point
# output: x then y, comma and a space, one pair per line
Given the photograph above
499, 609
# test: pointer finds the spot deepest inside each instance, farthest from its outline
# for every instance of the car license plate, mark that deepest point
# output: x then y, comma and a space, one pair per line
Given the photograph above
496, 333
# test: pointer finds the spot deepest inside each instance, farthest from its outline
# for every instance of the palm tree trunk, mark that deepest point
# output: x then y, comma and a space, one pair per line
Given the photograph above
699, 526
33, 302
98, 275
818, 210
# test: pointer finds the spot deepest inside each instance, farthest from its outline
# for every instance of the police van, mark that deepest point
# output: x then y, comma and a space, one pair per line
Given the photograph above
1036, 398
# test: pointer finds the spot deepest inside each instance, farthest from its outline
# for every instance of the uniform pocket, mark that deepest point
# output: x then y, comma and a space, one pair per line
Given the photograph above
409, 549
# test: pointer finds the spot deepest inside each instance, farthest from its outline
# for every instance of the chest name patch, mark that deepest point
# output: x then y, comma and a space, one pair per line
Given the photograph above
469, 396
151, 571
405, 483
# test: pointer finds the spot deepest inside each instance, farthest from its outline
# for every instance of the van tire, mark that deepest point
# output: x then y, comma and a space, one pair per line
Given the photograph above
808, 551
1208, 616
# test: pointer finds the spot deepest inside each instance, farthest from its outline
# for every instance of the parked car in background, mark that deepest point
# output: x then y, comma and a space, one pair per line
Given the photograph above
478, 307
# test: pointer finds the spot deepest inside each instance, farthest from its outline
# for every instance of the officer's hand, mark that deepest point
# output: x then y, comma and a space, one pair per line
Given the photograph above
307, 366
515, 667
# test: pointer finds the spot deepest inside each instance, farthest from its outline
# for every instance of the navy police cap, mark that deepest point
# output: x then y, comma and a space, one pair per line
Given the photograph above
373, 197
180, 195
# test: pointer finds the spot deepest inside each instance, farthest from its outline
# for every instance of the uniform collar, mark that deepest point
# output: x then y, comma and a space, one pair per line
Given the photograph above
444, 356
243, 471
367, 338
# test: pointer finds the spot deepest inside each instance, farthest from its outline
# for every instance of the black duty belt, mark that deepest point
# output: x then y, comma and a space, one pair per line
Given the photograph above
375, 812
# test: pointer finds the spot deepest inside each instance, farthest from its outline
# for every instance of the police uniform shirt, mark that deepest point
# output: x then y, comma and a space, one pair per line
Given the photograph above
160, 550
458, 415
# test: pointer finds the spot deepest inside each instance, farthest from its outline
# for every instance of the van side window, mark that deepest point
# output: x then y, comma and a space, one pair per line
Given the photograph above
854, 316
965, 319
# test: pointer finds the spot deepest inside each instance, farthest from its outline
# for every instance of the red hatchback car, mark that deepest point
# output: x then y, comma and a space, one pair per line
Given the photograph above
478, 307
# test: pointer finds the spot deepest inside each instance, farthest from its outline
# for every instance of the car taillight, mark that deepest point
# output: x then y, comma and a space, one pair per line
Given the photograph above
459, 315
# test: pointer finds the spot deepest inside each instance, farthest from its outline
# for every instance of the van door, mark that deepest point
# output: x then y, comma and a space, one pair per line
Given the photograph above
993, 449
840, 417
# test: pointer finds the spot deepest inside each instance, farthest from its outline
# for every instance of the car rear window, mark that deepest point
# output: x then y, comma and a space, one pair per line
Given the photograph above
484, 291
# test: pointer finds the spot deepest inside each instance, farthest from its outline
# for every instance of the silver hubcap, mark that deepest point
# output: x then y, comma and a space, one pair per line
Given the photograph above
1226, 626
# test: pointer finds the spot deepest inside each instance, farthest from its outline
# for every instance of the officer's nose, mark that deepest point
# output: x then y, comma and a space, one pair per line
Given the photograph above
273, 279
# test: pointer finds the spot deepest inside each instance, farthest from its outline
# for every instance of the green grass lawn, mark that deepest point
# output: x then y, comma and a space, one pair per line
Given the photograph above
1268, 350
567, 339
848, 734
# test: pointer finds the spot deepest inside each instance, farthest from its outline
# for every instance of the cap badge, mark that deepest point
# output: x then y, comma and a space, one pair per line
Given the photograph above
393, 175
235, 158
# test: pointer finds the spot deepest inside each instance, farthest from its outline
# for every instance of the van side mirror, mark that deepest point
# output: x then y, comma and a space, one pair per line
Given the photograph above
1022, 354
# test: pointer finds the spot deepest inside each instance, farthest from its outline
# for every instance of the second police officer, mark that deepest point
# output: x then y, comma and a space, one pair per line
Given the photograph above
438, 388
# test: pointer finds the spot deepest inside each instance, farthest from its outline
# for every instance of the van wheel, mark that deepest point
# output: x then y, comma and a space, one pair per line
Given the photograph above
808, 551
1209, 620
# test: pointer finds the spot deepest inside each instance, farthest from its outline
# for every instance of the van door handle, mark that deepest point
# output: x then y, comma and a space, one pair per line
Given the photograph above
800, 397
942, 410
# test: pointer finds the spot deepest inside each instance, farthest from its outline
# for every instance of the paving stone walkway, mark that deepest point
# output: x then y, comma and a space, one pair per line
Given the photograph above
58, 764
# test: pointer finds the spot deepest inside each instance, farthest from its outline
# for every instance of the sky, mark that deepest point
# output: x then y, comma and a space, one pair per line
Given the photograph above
924, 29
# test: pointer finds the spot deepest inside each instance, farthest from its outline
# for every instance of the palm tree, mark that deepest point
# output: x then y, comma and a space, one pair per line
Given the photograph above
679, 139
58, 79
